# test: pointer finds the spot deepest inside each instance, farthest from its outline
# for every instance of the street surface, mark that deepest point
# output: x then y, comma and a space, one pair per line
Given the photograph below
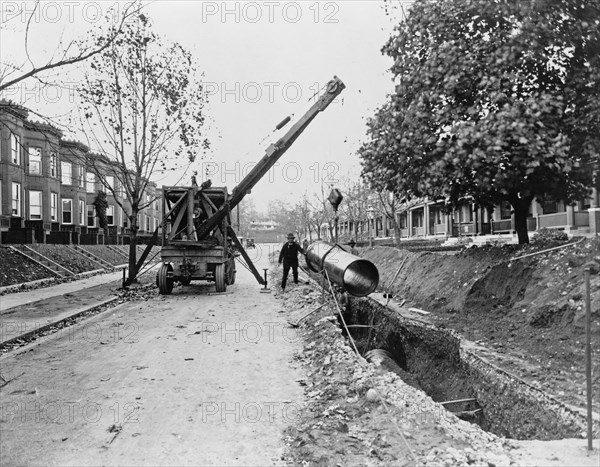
187, 379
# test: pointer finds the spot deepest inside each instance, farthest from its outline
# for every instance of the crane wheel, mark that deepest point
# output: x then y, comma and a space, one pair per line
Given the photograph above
220, 285
165, 283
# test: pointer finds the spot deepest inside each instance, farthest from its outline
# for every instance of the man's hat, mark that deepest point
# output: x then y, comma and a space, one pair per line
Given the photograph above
290, 236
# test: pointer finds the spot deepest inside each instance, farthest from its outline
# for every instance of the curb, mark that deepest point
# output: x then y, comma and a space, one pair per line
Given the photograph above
51, 281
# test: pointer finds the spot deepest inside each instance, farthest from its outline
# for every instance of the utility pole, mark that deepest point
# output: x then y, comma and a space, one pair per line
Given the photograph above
370, 214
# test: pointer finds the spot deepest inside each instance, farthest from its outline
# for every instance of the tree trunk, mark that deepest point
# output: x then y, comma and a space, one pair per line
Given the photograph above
397, 233
521, 209
132, 249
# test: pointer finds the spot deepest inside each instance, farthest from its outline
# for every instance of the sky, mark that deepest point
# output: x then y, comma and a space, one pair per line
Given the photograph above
261, 61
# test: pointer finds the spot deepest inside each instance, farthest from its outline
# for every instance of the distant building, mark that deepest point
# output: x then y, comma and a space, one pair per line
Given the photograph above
264, 231
269, 225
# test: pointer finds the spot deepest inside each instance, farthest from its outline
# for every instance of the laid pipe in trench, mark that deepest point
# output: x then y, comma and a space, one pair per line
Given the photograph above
357, 276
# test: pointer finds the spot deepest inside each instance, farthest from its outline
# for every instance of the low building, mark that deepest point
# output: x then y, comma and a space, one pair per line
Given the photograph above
426, 219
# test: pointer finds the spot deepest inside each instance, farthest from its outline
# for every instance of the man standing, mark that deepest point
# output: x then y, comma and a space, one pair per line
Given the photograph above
289, 257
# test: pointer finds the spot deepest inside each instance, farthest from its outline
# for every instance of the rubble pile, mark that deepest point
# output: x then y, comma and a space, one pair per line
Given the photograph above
359, 413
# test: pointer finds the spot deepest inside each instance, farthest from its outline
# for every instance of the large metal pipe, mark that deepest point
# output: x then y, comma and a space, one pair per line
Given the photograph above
357, 276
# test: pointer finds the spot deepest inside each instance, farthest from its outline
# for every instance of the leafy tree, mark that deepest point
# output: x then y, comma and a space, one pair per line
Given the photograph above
288, 218
101, 205
494, 100
142, 107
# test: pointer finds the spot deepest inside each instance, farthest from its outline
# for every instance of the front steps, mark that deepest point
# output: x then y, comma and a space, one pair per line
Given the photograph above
47, 263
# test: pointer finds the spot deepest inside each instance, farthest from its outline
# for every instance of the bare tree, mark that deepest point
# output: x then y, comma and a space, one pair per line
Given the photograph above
387, 206
320, 212
354, 207
74, 52
142, 107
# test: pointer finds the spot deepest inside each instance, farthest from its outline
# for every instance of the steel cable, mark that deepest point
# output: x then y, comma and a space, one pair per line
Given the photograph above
362, 361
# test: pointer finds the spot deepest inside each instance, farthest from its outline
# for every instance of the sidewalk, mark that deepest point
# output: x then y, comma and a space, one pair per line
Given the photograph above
23, 298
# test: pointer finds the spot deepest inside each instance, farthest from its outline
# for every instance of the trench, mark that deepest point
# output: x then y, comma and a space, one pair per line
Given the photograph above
436, 361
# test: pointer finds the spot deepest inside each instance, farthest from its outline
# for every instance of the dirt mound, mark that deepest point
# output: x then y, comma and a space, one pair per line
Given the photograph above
17, 269
66, 257
516, 313
484, 279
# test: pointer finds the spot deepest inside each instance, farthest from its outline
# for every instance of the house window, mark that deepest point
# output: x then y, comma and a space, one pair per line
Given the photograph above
53, 164
465, 214
81, 212
417, 218
16, 199
435, 213
66, 176
67, 211
15, 149
91, 215
35, 205
81, 176
35, 161
110, 215
550, 207
90, 181
147, 223
404, 220
505, 210
53, 206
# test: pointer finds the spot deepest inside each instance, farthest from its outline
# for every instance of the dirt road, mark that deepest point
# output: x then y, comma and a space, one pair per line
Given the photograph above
188, 379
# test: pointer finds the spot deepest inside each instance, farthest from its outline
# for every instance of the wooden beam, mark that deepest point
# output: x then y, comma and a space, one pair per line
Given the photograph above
175, 226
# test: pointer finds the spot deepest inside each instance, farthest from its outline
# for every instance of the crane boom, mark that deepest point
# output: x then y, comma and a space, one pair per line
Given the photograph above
272, 155
204, 253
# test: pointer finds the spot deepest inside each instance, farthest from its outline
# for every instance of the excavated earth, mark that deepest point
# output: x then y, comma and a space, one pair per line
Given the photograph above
506, 335
528, 313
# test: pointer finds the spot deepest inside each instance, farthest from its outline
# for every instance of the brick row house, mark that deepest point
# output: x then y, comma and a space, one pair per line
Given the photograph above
47, 191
